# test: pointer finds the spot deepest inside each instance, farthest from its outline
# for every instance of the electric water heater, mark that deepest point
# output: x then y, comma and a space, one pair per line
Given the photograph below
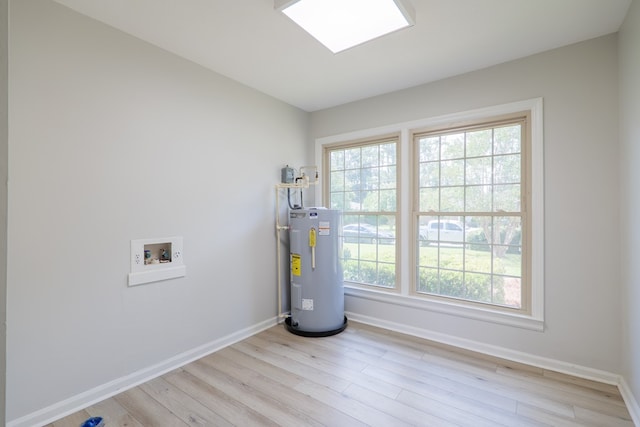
317, 288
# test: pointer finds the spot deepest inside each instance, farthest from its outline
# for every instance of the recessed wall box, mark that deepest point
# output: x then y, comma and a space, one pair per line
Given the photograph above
153, 260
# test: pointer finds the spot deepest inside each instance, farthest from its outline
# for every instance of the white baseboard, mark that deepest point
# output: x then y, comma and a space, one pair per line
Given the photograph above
80, 401
492, 350
630, 400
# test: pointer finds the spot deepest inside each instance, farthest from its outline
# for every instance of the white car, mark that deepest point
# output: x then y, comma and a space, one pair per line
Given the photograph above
444, 230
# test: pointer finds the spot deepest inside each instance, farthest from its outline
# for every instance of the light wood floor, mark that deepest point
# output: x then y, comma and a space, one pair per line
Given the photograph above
363, 376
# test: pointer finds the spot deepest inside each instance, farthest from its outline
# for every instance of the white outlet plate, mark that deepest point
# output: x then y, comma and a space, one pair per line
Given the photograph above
142, 273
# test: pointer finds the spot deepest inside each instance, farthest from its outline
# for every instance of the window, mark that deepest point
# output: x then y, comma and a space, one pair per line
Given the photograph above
449, 217
472, 222
362, 182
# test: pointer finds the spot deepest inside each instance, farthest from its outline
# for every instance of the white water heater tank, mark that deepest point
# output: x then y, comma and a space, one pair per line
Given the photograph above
317, 287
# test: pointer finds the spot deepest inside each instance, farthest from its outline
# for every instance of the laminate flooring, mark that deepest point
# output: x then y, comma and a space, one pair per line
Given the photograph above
364, 376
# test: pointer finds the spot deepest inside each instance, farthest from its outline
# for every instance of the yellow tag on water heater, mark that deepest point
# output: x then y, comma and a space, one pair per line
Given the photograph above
296, 265
312, 238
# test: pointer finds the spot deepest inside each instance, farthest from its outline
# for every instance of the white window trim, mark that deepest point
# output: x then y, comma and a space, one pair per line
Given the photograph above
535, 320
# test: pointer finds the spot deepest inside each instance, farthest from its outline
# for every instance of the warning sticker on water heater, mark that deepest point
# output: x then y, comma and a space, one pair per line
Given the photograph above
296, 265
324, 228
307, 304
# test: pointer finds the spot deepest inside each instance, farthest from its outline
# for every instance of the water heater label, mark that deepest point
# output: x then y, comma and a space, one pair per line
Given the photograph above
307, 304
324, 228
296, 265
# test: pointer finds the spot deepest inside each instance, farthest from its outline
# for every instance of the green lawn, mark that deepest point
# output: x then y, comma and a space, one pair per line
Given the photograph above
454, 257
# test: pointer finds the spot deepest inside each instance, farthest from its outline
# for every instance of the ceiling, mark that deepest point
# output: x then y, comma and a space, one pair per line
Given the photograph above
250, 42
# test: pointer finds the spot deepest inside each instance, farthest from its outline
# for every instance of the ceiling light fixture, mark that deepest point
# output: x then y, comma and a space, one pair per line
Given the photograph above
342, 24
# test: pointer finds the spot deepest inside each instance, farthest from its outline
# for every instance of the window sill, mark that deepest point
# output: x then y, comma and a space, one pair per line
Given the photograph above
445, 307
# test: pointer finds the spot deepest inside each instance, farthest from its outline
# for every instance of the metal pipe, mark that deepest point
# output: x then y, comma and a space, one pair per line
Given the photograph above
305, 184
279, 228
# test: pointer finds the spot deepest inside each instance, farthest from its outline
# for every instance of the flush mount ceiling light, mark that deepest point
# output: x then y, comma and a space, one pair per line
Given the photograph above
341, 24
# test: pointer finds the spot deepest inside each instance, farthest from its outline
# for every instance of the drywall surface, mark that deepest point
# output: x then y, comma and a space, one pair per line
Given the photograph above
579, 86
4, 134
629, 52
112, 139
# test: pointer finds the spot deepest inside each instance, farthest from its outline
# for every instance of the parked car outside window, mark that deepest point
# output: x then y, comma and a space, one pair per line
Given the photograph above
445, 231
365, 233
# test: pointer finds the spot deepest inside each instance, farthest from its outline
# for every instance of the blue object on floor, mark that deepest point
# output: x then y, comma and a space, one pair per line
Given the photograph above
93, 422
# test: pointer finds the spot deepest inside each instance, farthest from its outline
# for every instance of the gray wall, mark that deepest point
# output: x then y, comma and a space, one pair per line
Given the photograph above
4, 117
112, 139
579, 85
630, 193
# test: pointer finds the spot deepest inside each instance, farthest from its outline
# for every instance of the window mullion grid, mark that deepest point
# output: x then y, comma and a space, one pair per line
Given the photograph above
360, 192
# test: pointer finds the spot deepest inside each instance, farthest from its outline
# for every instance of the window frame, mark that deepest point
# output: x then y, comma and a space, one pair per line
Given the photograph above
403, 298
326, 198
520, 117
